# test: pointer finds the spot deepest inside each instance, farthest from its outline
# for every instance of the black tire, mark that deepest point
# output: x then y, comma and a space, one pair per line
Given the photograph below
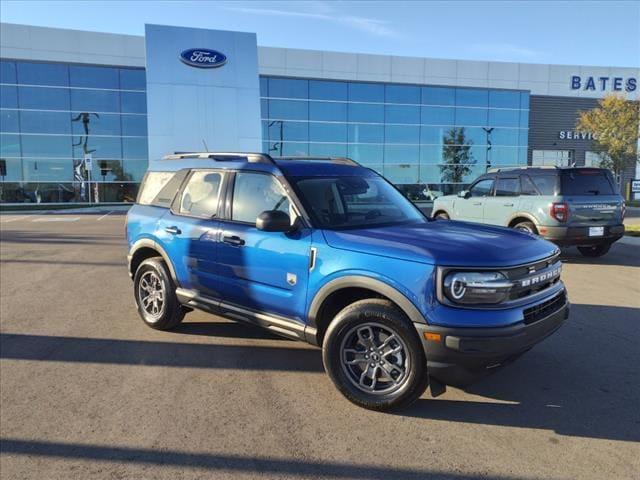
169, 312
409, 363
526, 226
595, 250
442, 216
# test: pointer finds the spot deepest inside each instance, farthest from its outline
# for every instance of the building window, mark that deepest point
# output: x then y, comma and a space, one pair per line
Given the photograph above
555, 158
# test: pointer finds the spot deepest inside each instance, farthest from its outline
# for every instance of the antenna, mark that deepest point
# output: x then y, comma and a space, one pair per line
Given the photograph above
206, 149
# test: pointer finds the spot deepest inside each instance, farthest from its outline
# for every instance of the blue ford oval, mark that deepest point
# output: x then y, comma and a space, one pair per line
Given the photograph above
203, 58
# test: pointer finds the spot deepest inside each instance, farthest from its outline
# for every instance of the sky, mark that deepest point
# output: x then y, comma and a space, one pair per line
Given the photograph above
605, 33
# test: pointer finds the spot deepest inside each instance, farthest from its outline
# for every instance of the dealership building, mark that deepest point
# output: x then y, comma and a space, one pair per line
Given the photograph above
84, 113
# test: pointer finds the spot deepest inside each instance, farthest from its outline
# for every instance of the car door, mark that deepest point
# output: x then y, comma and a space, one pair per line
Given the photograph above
263, 271
499, 208
189, 231
471, 207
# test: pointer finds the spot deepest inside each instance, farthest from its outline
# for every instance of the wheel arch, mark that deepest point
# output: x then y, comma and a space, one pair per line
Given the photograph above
522, 217
147, 248
339, 293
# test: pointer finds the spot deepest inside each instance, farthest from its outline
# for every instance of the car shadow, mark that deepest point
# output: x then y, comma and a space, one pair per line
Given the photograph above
621, 254
228, 329
583, 381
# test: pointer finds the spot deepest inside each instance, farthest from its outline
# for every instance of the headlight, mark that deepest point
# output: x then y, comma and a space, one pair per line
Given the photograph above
476, 287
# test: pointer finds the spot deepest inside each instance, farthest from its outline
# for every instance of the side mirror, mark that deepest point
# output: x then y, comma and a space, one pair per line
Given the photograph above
273, 221
464, 194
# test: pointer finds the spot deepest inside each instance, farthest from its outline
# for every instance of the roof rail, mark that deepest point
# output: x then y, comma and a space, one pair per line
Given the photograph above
223, 156
340, 160
523, 167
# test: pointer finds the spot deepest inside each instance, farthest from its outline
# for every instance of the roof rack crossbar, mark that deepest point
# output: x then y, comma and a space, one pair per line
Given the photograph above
340, 160
223, 156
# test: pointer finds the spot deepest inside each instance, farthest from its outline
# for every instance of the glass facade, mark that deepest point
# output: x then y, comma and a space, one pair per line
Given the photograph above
55, 116
428, 140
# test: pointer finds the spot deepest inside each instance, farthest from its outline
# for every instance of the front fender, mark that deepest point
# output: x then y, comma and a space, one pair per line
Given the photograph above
149, 242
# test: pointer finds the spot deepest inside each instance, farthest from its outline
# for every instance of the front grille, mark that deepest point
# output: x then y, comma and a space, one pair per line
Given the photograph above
518, 274
544, 309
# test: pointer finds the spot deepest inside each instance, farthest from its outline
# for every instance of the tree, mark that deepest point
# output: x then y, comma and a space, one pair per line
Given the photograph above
457, 156
614, 124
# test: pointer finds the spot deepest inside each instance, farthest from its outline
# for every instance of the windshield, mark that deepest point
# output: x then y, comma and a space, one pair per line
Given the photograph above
586, 182
354, 202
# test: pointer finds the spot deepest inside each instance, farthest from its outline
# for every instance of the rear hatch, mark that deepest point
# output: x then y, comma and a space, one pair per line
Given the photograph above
591, 196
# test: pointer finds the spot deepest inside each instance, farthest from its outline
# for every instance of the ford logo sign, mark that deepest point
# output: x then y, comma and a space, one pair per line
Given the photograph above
203, 58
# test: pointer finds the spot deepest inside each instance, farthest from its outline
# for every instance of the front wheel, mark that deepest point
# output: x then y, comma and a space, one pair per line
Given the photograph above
595, 250
374, 357
155, 295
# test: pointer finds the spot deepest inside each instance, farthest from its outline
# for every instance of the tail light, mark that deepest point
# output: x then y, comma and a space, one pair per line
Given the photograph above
559, 211
624, 210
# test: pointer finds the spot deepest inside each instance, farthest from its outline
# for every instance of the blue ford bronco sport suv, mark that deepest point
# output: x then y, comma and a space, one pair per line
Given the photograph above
327, 251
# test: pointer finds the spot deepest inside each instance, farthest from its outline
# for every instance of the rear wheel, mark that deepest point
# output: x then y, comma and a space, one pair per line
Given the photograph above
442, 216
155, 295
595, 250
374, 357
526, 226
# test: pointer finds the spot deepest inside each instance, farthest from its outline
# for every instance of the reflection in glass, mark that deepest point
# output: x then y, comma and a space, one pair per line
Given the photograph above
328, 111
32, 73
457, 155
366, 92
94, 77
7, 72
8, 96
95, 100
327, 90
328, 149
54, 146
43, 98
328, 132
44, 122
9, 121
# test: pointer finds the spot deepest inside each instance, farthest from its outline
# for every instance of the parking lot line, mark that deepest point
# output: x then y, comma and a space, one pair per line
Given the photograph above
106, 214
56, 219
16, 219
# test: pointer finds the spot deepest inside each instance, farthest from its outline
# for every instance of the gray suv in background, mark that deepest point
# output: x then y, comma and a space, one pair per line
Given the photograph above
568, 206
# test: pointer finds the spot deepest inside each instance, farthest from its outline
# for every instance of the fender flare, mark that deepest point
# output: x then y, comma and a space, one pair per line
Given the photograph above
359, 281
526, 215
149, 243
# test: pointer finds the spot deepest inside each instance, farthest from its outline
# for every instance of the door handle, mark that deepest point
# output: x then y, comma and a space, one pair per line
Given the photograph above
477, 203
508, 205
173, 230
233, 240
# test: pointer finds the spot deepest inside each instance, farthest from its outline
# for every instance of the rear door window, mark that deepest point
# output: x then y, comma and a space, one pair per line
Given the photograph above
526, 186
201, 194
546, 184
586, 182
507, 187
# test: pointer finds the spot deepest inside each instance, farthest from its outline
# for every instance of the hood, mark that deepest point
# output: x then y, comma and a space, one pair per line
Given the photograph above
448, 243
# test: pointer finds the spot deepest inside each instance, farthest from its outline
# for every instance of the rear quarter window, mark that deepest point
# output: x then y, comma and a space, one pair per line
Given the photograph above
586, 182
160, 188
546, 184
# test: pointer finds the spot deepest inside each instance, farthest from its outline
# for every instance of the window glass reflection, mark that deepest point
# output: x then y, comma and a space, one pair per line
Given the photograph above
502, 156
133, 102
288, 131
365, 133
263, 87
288, 110
55, 74
401, 154
504, 99
431, 154
288, 88
524, 100
366, 92
328, 111
9, 145
402, 94
9, 121
433, 135
471, 116
400, 174
134, 169
7, 72
135, 148
8, 96
326, 90
504, 118
279, 149
95, 100
133, 79
56, 146
94, 77
327, 132
438, 96
505, 136
524, 118
134, 125
366, 112
48, 169
472, 97
45, 122
402, 114
328, 149
109, 170
401, 134
89, 123
437, 115
98, 147
13, 167
366, 154
41, 98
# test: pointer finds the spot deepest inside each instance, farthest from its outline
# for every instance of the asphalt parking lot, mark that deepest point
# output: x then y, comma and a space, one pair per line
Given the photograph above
88, 391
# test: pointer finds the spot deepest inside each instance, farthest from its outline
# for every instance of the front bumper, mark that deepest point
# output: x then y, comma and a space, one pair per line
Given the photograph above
569, 236
463, 355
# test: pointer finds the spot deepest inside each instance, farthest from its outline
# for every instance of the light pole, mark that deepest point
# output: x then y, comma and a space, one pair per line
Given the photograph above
486, 156
279, 144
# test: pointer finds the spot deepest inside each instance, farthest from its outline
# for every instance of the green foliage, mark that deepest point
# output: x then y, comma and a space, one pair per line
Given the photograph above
615, 124
457, 156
